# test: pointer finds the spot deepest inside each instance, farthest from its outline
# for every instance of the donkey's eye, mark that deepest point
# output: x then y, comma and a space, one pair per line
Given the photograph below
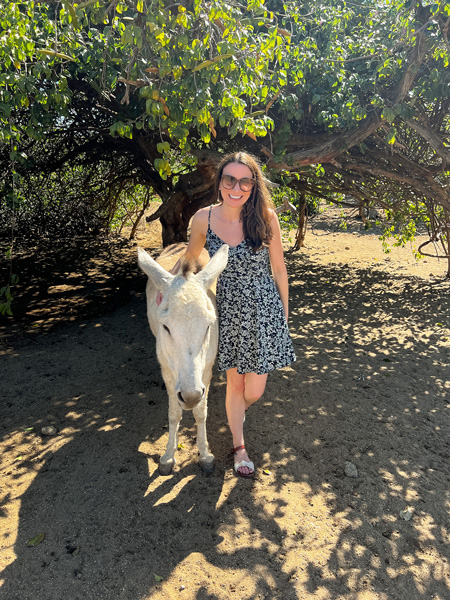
167, 329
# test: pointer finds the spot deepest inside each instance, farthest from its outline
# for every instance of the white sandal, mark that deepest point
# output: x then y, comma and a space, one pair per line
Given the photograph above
243, 463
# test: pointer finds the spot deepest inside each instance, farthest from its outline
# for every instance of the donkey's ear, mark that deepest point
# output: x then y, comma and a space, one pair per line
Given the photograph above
214, 268
159, 276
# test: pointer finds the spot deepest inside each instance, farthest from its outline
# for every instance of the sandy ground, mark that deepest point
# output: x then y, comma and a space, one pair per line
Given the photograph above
84, 513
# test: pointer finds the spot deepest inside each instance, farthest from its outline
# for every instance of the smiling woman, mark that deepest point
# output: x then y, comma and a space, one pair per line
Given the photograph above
252, 306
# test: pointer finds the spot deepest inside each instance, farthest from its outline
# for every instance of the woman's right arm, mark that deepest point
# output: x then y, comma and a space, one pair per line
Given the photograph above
197, 239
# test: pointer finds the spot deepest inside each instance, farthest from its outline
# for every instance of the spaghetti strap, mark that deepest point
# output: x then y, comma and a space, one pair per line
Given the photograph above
209, 218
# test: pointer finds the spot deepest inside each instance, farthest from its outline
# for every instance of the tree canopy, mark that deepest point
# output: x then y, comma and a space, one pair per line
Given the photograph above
335, 97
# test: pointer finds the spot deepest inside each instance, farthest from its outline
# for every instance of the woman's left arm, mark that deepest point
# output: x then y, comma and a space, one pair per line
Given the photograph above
277, 263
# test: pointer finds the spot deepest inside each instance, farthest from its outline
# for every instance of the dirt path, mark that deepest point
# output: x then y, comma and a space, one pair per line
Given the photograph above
370, 387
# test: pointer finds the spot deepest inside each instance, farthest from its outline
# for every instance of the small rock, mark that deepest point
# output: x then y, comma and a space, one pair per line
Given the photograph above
407, 513
49, 430
351, 470
182, 587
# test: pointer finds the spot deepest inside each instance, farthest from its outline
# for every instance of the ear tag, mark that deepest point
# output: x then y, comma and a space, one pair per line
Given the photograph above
159, 298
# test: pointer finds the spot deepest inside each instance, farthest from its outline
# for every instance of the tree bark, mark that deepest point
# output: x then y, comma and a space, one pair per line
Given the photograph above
302, 223
192, 192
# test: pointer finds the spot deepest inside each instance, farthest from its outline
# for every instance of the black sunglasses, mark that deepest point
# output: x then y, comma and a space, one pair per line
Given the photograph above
246, 183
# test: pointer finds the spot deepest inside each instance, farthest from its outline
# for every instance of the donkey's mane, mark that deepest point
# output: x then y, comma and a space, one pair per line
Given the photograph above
188, 266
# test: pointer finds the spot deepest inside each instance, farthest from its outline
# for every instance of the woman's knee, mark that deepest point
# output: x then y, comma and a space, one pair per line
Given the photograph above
254, 388
251, 398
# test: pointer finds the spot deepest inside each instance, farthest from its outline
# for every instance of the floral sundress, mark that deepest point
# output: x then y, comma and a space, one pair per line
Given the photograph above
253, 332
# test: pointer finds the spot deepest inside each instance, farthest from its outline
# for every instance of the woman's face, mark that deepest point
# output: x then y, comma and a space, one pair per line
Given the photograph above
236, 197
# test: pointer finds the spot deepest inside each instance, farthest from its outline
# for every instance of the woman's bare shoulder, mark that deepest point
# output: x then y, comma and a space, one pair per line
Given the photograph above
200, 220
273, 218
202, 214
272, 214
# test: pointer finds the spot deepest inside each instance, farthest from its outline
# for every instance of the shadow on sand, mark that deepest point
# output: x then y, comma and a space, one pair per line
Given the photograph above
368, 387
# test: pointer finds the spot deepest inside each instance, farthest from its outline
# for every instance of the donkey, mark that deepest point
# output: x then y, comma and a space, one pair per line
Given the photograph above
182, 314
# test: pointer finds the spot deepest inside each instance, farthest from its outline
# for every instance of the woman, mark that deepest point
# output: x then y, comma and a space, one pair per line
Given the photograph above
253, 312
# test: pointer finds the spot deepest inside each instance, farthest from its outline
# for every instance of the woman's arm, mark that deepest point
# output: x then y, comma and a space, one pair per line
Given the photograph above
197, 239
277, 263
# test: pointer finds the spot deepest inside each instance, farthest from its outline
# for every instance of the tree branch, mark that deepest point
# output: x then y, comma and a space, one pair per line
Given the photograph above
431, 138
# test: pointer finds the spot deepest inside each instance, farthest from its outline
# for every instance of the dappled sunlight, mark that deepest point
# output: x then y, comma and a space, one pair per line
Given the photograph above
177, 488
22, 456
242, 583
366, 389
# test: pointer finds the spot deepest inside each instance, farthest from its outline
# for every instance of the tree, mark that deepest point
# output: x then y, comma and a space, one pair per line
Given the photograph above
335, 97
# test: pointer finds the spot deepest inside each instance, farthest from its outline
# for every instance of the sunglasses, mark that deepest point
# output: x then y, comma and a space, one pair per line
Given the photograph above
246, 183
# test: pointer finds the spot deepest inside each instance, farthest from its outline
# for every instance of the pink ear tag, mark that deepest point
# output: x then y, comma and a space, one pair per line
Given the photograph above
159, 298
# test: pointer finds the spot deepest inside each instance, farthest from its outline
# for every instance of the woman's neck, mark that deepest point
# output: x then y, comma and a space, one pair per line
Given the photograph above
230, 214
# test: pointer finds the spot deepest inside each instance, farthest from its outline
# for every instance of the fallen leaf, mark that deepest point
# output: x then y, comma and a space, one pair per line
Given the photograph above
36, 540
266, 471
19, 457
158, 577
28, 429
180, 446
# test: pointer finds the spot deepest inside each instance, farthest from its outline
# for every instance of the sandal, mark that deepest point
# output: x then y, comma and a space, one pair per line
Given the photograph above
243, 463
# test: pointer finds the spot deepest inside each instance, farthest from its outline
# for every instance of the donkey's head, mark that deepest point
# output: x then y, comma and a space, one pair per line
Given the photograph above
185, 324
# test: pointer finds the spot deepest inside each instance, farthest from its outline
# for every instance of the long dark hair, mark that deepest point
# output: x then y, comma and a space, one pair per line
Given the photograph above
256, 214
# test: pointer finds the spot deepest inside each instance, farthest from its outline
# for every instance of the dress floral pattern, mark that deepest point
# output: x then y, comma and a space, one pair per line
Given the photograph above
253, 332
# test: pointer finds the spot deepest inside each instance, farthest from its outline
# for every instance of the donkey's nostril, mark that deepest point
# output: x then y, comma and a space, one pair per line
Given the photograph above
180, 397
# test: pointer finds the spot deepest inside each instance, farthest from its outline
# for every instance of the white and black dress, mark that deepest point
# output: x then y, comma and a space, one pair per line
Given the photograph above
253, 332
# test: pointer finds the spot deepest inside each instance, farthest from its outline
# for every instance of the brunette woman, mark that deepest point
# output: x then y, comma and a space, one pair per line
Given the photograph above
252, 304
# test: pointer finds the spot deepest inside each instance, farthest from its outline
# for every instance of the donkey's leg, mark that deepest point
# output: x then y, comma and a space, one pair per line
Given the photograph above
167, 461
206, 458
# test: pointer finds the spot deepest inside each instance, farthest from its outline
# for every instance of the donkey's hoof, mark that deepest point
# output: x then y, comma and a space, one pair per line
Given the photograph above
166, 468
207, 466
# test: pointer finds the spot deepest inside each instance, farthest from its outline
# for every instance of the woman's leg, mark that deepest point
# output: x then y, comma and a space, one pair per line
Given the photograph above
242, 392
254, 388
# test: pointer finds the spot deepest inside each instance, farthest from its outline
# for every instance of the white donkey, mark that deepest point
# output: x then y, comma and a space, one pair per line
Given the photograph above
184, 322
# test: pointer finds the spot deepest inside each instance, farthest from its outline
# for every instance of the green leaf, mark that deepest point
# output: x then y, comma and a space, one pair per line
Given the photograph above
36, 540
205, 63
73, 15
49, 52
390, 137
163, 147
222, 57
158, 577
86, 4
388, 115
